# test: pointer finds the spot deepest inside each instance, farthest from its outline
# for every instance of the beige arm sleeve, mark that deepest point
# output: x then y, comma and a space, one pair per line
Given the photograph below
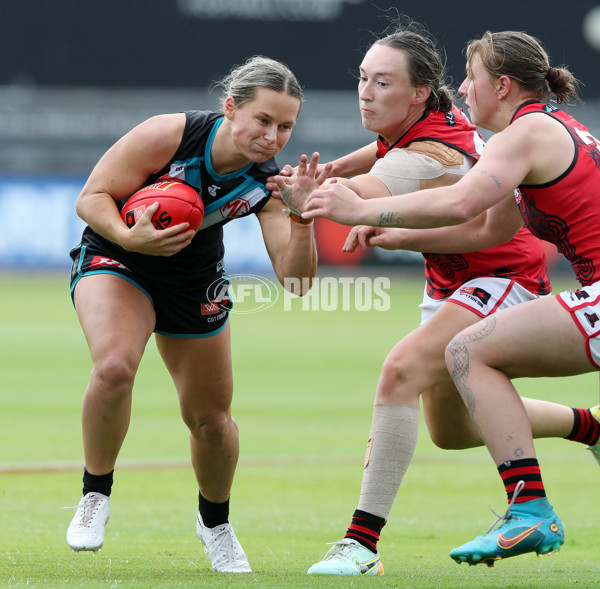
401, 170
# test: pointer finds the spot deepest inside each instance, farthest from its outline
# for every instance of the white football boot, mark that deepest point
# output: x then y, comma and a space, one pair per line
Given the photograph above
86, 530
347, 557
225, 552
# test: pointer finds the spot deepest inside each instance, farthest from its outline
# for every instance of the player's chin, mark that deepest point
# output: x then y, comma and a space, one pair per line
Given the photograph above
262, 154
369, 124
261, 157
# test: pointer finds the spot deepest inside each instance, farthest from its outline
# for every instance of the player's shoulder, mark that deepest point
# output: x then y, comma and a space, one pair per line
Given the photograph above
528, 131
157, 134
409, 163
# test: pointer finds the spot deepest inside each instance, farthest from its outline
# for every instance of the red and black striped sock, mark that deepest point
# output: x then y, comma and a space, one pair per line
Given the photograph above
526, 470
586, 428
365, 529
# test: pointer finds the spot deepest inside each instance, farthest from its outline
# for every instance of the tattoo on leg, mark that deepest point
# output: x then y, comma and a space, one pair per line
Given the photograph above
460, 355
518, 452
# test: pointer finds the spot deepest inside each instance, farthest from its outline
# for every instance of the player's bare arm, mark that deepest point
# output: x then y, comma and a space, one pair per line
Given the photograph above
291, 247
448, 205
119, 173
495, 226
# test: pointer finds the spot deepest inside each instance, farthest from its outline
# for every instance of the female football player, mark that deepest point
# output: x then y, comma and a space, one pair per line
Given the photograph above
128, 283
423, 142
552, 163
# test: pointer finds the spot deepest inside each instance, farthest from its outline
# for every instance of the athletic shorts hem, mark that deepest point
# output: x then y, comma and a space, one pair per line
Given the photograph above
585, 312
95, 272
483, 296
193, 335
181, 300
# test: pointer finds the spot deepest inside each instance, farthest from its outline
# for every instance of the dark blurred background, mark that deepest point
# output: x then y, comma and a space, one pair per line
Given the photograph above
77, 74
188, 43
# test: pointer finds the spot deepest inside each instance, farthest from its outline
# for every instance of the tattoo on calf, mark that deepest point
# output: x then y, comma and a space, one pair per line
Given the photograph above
460, 355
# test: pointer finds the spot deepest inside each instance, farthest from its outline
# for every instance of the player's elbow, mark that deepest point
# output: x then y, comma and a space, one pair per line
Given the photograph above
462, 209
81, 208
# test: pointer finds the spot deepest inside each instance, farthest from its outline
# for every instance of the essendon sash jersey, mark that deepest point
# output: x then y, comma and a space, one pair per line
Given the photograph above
522, 258
452, 129
565, 211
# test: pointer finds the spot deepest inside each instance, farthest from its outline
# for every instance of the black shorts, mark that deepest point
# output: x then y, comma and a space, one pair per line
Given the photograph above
183, 308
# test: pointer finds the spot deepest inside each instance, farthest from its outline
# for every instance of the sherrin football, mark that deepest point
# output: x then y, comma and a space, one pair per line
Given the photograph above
178, 203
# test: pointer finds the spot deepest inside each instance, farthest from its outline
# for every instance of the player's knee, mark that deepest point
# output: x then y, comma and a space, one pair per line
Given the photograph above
213, 427
114, 373
445, 439
459, 354
401, 374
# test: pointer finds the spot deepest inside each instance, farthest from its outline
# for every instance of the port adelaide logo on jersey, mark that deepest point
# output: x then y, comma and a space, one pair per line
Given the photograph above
476, 294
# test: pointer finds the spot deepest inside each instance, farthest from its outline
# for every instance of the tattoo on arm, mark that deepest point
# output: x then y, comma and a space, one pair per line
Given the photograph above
460, 355
492, 177
389, 219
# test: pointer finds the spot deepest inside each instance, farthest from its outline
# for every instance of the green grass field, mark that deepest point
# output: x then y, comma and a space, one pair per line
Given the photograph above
304, 390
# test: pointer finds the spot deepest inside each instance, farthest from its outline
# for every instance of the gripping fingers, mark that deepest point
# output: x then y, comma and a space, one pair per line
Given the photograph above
314, 206
174, 239
173, 245
178, 232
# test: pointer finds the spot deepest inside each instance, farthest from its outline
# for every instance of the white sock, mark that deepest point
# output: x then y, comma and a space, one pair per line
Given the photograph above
390, 449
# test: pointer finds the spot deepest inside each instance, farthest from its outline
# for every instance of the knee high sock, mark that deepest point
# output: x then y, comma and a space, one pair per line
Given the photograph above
390, 449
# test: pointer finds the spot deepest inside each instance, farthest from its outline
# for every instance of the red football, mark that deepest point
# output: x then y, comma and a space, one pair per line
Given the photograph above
178, 203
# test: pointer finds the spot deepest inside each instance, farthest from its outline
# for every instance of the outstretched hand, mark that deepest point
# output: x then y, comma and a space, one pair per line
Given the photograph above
290, 173
295, 190
336, 202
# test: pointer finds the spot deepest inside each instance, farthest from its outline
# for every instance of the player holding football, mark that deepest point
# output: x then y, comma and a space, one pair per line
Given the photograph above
552, 161
130, 282
425, 142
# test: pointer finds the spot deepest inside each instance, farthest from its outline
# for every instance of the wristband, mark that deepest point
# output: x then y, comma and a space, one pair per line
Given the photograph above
297, 218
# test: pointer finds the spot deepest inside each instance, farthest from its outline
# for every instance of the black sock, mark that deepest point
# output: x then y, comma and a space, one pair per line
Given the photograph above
365, 529
101, 483
213, 514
